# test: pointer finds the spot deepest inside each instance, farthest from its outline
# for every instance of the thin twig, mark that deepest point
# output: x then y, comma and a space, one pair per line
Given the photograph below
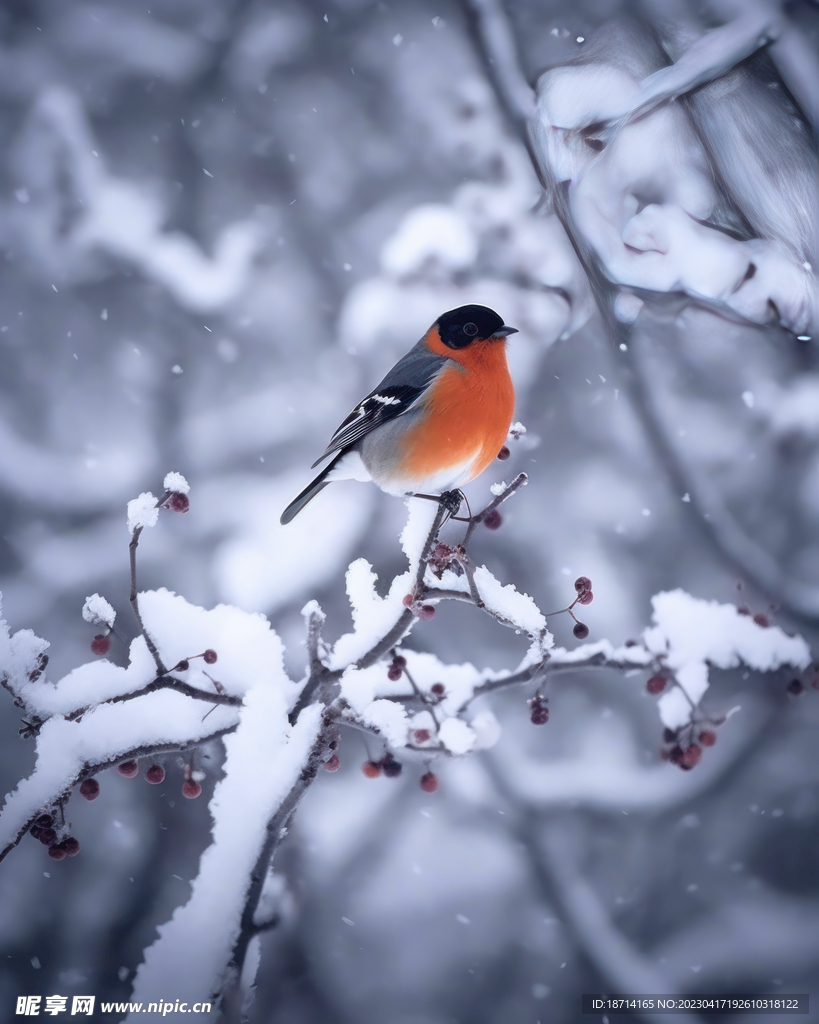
134, 598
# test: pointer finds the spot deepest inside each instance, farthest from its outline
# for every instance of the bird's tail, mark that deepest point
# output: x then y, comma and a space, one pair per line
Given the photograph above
309, 492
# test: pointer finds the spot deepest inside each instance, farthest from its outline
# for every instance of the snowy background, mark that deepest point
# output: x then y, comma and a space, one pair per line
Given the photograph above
221, 223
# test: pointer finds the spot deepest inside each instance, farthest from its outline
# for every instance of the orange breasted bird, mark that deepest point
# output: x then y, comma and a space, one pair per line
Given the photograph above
438, 418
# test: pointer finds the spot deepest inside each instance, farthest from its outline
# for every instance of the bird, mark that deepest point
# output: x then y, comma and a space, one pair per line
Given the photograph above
435, 421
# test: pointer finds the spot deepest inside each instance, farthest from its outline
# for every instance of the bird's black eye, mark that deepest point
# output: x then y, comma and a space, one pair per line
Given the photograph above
596, 144
471, 329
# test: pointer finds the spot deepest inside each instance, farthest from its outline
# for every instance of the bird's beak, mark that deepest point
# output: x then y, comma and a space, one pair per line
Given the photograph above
504, 332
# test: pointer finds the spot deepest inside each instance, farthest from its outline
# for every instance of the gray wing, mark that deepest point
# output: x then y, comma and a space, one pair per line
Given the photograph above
395, 395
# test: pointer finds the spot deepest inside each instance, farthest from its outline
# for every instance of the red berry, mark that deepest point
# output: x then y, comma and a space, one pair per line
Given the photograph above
761, 619
182, 666
394, 673
421, 735
581, 630
585, 598
191, 789
429, 782
391, 767
407, 600
656, 684
707, 738
582, 583
438, 689
209, 657
47, 836
744, 610
178, 502
690, 757
426, 612
675, 754
539, 715
372, 769
155, 774
44, 821
90, 789
333, 763
36, 830
796, 686
101, 644
57, 852
71, 846
504, 454
128, 769
493, 519
399, 660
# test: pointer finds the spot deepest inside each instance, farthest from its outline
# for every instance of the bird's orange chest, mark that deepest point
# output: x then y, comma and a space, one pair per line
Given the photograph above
468, 412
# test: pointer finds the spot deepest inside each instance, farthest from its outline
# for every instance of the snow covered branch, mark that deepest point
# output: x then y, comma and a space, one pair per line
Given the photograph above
278, 732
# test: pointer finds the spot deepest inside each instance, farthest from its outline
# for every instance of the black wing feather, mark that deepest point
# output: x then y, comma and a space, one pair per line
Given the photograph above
394, 396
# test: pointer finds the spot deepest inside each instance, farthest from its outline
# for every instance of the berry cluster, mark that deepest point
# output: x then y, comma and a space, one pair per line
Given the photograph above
444, 557
684, 746
386, 766
58, 849
583, 590
391, 768
539, 705
396, 669
424, 611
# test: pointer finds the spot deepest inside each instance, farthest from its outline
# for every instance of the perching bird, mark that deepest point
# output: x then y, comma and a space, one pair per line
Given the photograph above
438, 418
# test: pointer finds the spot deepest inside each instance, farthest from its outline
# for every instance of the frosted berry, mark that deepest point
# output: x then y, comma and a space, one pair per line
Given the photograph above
209, 656
581, 630
585, 598
391, 767
796, 686
493, 519
155, 774
394, 673
372, 769
421, 735
407, 600
761, 619
656, 684
128, 769
426, 612
504, 454
101, 644
438, 689
191, 789
333, 763
582, 584
429, 782
178, 502
71, 846
690, 757
57, 852
707, 738
90, 789
539, 715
